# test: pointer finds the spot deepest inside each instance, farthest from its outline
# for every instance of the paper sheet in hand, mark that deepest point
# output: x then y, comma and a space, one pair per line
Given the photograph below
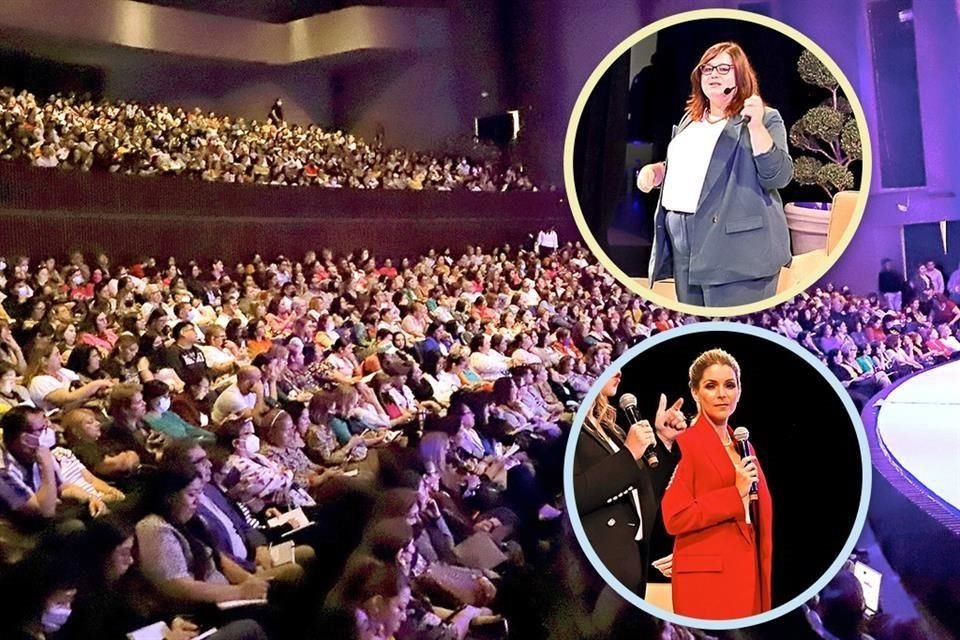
281, 554
155, 631
479, 551
296, 518
236, 604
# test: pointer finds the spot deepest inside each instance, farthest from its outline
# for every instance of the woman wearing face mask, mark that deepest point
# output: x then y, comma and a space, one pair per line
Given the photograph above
156, 395
38, 595
109, 604
284, 446
51, 385
251, 478
723, 535
719, 229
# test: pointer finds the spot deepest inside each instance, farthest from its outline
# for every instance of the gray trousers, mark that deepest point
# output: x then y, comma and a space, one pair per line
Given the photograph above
729, 294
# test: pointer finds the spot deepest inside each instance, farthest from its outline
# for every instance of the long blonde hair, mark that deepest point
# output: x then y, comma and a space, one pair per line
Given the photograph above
603, 418
37, 365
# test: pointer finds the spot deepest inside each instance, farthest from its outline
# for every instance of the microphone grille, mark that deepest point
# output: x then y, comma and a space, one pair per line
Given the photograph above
628, 400
740, 434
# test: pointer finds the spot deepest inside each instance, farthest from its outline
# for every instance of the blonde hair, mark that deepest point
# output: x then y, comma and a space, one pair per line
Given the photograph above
121, 397
603, 418
708, 359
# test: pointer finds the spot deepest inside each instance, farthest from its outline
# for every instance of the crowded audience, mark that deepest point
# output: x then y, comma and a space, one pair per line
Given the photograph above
380, 444
71, 132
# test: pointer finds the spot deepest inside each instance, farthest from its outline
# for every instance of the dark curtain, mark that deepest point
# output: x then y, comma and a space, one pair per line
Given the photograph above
598, 155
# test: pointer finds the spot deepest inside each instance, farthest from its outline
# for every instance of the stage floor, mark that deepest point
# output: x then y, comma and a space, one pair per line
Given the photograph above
919, 423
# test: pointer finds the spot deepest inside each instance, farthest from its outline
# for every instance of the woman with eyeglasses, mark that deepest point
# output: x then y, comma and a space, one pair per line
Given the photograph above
719, 227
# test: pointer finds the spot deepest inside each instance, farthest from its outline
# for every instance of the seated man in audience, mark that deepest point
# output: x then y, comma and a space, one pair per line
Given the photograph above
30, 482
184, 355
243, 398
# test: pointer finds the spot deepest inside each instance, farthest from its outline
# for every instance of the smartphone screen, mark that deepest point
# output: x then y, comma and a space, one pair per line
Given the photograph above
869, 579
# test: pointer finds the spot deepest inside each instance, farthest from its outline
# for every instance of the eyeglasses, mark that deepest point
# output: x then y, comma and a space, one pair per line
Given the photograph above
722, 69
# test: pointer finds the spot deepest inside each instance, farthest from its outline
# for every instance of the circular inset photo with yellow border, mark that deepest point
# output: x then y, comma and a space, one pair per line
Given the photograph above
717, 476
717, 162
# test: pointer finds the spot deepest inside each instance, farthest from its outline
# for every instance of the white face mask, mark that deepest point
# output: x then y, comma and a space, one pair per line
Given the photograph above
192, 315
48, 438
163, 405
23, 292
55, 617
77, 280
250, 443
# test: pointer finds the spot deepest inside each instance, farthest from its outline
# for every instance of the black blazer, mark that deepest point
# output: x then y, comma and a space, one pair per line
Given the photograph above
602, 484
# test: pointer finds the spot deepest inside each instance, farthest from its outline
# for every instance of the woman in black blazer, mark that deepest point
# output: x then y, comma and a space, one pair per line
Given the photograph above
613, 490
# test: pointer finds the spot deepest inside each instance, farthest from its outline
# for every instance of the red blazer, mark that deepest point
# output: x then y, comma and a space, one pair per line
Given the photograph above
721, 564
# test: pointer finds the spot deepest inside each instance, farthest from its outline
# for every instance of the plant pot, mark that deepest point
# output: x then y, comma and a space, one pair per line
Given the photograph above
808, 223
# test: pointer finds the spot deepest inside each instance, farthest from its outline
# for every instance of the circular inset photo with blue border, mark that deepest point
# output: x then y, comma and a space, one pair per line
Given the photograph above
717, 476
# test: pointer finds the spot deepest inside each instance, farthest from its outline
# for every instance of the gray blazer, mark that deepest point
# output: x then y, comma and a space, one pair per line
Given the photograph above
739, 230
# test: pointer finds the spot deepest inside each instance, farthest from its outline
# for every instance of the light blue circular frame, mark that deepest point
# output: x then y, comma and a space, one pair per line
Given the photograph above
623, 590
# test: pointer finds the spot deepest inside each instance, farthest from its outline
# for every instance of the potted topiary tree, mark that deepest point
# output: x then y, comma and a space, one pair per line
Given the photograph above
829, 137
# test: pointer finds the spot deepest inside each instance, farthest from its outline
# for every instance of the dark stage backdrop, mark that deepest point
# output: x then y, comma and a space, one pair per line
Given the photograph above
803, 435
51, 212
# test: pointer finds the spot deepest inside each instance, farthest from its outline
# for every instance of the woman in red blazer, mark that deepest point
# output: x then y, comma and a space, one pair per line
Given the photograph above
722, 554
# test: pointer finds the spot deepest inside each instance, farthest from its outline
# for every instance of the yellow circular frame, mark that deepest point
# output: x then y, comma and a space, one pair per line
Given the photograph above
648, 292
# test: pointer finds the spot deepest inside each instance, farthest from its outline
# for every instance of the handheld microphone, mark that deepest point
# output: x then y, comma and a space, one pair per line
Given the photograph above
741, 435
730, 90
628, 402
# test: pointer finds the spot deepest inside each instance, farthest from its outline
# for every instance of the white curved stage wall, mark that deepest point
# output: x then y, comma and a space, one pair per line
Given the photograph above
919, 424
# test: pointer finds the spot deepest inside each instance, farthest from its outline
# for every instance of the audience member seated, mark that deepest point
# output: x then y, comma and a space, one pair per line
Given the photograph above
11, 393
161, 419
331, 384
113, 601
242, 398
51, 386
146, 140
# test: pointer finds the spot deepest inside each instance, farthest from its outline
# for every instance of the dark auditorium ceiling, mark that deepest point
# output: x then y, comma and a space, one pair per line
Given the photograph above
280, 11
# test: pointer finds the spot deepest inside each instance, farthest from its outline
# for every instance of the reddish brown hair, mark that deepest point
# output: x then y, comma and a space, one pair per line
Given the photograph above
747, 84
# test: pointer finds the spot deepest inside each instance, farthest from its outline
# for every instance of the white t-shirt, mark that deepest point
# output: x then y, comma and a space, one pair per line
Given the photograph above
232, 401
42, 386
215, 357
547, 239
688, 158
